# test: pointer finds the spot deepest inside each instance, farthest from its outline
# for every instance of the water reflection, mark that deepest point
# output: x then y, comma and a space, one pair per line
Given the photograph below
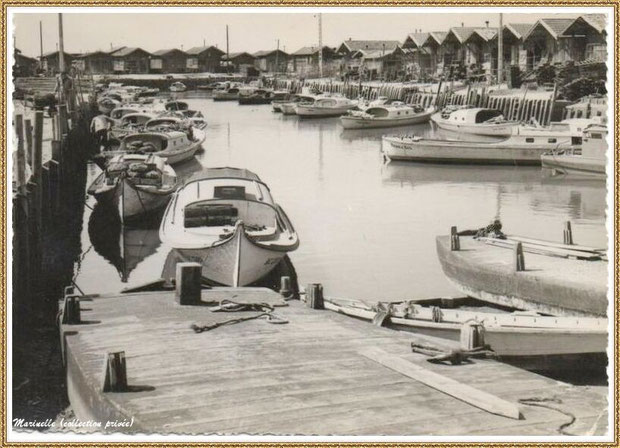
124, 248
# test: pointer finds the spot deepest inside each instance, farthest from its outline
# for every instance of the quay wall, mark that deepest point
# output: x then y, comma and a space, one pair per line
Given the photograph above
515, 104
48, 202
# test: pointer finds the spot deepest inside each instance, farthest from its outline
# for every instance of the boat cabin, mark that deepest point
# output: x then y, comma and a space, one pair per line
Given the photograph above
176, 105
139, 169
138, 118
471, 115
152, 142
216, 202
394, 111
164, 122
120, 112
594, 141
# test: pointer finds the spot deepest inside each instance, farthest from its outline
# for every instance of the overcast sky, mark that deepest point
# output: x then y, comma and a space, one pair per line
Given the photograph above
250, 32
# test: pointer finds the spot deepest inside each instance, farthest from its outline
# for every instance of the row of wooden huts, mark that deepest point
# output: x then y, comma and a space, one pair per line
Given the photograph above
420, 54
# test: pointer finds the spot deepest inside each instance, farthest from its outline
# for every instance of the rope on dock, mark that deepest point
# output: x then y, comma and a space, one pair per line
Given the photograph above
230, 306
542, 403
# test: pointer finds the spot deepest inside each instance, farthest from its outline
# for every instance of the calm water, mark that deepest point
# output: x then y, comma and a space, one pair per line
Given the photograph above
367, 230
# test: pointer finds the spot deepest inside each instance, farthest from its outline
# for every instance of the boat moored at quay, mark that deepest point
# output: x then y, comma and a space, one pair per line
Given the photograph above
384, 116
226, 220
325, 106
474, 120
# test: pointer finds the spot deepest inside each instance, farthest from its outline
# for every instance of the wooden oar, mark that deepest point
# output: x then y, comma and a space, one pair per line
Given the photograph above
542, 250
554, 244
475, 397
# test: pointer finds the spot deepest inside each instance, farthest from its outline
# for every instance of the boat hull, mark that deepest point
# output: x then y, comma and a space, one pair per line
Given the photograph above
225, 97
321, 112
461, 152
236, 262
575, 165
497, 130
373, 123
254, 100
487, 273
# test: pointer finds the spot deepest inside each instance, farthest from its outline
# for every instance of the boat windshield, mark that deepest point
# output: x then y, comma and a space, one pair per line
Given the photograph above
487, 114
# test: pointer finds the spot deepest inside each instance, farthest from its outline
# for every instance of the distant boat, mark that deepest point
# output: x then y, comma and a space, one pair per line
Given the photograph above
589, 161
226, 94
522, 148
474, 120
257, 96
227, 220
176, 105
325, 106
178, 87
287, 107
137, 184
385, 116
559, 279
130, 123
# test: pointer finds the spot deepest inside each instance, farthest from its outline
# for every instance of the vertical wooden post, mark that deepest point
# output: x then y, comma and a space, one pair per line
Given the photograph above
45, 196
21, 156
63, 125
115, 376
188, 283
568, 233
455, 242
54, 188
285, 286
472, 336
519, 258
71, 314
28, 132
37, 154
314, 296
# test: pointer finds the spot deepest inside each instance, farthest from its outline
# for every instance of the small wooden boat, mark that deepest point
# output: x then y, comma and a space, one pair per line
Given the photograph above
118, 113
135, 183
558, 279
226, 94
590, 160
130, 124
511, 334
174, 146
256, 96
287, 107
474, 120
522, 148
385, 116
325, 106
227, 220
178, 87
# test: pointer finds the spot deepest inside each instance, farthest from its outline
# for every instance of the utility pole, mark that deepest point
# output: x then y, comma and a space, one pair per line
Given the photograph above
227, 53
320, 45
61, 46
500, 50
41, 41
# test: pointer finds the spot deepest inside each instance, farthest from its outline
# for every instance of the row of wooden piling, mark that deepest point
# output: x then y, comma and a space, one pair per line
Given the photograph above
514, 103
48, 200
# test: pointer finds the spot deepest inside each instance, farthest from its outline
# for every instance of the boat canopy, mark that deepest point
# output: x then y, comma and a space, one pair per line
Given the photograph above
176, 105
474, 115
136, 118
224, 172
120, 112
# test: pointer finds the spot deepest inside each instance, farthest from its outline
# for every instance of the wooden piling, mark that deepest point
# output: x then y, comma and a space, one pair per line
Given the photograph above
71, 314
115, 379
28, 133
472, 336
37, 155
568, 233
285, 286
455, 242
21, 156
314, 296
519, 258
188, 283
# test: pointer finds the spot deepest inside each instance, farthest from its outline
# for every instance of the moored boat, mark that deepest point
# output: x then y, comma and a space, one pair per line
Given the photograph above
226, 94
385, 116
130, 123
178, 87
552, 278
137, 184
257, 96
524, 147
325, 106
590, 160
474, 120
227, 220
287, 107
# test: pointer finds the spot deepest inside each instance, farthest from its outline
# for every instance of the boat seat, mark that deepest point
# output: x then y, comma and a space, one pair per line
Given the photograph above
210, 216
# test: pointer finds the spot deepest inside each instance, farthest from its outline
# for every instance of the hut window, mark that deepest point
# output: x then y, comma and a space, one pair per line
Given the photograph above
596, 136
553, 140
529, 140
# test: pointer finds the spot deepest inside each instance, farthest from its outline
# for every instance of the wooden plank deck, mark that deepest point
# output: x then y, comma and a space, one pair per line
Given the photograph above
304, 377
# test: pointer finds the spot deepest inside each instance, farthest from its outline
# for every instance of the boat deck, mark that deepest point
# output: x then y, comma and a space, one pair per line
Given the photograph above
306, 376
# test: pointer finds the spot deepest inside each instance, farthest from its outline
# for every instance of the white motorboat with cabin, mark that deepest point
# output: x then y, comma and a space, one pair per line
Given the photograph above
524, 147
227, 93
396, 114
174, 146
227, 220
130, 123
137, 184
178, 87
474, 120
590, 160
325, 106
287, 107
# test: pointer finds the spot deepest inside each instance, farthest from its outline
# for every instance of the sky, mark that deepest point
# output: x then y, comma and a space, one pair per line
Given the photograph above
84, 32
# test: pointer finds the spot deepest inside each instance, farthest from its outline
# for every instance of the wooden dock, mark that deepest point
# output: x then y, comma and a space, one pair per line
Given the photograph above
310, 371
